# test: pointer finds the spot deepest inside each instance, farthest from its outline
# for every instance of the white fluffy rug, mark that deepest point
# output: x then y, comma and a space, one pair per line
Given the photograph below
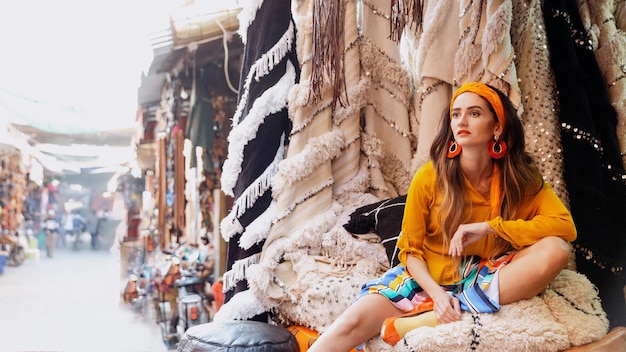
567, 314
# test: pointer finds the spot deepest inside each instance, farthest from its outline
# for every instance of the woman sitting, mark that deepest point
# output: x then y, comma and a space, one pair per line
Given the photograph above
480, 229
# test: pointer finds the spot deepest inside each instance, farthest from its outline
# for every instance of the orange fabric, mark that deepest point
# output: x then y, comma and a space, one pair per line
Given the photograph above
218, 293
390, 335
305, 336
484, 91
495, 193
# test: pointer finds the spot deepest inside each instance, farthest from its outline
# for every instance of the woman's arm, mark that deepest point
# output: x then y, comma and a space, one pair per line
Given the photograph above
416, 214
467, 234
446, 307
545, 215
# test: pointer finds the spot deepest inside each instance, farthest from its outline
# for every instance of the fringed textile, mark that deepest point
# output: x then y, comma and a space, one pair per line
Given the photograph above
257, 140
460, 42
250, 195
387, 139
263, 66
485, 52
538, 91
257, 231
325, 135
318, 150
241, 307
238, 270
610, 54
404, 14
271, 103
327, 49
591, 155
246, 16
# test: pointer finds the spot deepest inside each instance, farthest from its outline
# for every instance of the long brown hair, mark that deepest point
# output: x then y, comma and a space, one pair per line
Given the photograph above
519, 175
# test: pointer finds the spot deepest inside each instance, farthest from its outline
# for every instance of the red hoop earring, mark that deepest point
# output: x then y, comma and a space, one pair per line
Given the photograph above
497, 148
454, 149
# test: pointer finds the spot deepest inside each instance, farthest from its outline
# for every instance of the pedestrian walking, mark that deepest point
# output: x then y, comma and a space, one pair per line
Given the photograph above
51, 225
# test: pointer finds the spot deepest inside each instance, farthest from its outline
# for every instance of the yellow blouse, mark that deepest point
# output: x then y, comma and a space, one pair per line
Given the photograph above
542, 215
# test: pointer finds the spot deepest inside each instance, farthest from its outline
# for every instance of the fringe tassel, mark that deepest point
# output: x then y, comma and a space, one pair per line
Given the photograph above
272, 100
257, 188
268, 60
317, 151
403, 12
263, 66
243, 306
238, 271
259, 229
246, 16
327, 59
230, 224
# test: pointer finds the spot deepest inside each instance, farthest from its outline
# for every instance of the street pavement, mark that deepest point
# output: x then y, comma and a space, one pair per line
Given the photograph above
71, 303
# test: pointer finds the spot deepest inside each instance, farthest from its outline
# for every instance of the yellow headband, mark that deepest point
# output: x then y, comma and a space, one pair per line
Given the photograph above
484, 91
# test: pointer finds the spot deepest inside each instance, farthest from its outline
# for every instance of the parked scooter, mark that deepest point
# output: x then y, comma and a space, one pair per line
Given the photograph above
166, 303
183, 302
193, 308
136, 293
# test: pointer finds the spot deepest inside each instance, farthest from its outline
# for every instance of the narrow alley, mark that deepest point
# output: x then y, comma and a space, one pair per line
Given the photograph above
71, 303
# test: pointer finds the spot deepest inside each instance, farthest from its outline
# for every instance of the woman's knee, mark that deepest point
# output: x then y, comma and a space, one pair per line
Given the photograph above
365, 317
555, 250
352, 322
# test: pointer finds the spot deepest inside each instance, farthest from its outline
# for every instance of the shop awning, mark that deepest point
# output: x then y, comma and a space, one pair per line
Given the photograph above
203, 22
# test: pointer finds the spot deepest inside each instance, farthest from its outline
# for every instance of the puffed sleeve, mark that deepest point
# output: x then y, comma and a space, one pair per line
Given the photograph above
542, 215
416, 214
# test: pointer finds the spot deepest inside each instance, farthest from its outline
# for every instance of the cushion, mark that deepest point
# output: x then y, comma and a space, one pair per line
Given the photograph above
383, 218
238, 336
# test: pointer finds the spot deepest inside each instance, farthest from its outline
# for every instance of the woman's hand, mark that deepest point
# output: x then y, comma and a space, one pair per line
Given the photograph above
447, 308
467, 234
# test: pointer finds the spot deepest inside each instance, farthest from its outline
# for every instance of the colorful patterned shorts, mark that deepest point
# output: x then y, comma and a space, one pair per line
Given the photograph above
473, 290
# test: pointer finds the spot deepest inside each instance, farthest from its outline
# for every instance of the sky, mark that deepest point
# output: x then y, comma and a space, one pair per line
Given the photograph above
85, 56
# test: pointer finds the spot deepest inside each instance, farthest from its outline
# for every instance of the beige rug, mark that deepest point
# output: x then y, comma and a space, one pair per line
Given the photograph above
567, 314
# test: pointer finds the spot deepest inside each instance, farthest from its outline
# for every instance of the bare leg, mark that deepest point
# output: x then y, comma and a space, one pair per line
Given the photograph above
360, 322
532, 269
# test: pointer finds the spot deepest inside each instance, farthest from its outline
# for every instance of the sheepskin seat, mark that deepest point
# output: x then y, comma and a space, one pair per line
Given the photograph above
566, 314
